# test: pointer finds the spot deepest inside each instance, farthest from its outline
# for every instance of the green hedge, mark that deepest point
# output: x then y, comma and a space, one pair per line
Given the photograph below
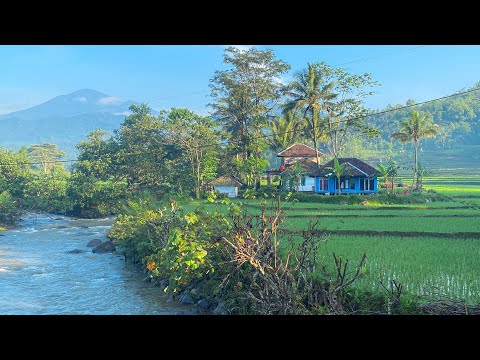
347, 199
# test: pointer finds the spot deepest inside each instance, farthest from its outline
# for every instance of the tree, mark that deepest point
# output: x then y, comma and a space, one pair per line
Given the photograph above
339, 170
245, 95
311, 94
344, 118
393, 173
285, 130
385, 172
146, 159
46, 154
198, 139
416, 127
97, 184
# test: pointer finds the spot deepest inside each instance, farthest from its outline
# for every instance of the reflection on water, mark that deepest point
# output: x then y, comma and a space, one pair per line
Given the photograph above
37, 276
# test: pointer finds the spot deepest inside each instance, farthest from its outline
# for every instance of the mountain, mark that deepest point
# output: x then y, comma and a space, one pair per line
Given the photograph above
64, 120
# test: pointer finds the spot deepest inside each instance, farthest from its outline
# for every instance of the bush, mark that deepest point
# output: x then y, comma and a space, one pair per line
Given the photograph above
9, 210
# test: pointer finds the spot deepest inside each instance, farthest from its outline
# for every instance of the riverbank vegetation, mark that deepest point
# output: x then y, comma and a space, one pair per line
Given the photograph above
409, 249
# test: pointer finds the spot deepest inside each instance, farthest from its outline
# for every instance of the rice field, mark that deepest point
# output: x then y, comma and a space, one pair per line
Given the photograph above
429, 248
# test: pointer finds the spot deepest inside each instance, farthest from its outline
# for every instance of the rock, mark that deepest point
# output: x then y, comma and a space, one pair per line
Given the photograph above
194, 292
58, 218
203, 304
186, 299
85, 234
104, 247
76, 251
162, 284
94, 242
220, 309
61, 227
84, 227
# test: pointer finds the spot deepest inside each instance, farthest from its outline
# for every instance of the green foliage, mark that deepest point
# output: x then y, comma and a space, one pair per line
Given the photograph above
245, 96
198, 141
171, 245
48, 194
46, 154
9, 209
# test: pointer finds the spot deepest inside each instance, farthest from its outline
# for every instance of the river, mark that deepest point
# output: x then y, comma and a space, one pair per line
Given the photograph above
37, 276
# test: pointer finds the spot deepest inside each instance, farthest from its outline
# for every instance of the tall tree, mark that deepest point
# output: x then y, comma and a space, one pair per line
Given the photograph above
416, 127
285, 130
145, 157
245, 96
344, 119
198, 139
46, 154
310, 93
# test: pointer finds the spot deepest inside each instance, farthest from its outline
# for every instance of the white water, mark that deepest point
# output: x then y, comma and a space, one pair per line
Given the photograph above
37, 276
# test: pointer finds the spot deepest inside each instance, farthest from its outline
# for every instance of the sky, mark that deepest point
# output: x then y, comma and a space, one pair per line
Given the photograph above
166, 76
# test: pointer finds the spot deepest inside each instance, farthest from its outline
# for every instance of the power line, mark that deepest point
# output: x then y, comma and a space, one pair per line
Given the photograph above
264, 135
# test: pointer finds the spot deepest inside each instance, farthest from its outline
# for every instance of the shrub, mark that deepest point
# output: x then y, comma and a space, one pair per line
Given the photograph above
9, 210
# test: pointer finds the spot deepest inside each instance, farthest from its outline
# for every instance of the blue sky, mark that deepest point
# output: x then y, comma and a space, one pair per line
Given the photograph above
168, 76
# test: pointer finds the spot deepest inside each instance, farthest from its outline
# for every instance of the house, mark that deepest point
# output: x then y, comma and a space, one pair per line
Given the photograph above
359, 178
292, 155
304, 180
297, 152
226, 184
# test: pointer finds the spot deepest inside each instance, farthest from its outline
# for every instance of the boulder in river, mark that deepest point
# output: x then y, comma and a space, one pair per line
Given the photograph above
186, 299
62, 227
84, 227
94, 242
76, 251
104, 247
85, 234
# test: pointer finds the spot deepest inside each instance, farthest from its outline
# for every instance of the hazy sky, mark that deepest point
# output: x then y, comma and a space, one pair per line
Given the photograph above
168, 76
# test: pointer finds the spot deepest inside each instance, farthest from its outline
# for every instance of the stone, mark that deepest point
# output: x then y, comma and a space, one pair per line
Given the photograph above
186, 299
94, 242
105, 247
84, 227
62, 227
203, 304
76, 251
220, 309
194, 292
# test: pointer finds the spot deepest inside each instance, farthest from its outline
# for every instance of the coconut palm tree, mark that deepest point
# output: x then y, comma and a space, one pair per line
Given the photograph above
309, 93
416, 127
286, 130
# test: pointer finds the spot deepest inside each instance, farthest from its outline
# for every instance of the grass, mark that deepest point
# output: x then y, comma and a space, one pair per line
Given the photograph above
424, 264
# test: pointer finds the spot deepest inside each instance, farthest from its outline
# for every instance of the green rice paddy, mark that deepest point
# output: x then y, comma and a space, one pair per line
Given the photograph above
429, 248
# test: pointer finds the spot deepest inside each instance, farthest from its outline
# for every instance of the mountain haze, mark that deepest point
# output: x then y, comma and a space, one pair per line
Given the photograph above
64, 120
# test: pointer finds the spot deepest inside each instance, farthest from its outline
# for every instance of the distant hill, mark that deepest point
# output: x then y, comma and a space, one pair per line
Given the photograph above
64, 120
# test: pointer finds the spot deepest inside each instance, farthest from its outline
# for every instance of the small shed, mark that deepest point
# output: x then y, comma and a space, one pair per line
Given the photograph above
226, 184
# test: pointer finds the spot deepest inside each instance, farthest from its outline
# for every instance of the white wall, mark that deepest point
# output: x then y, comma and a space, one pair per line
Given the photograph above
231, 191
309, 184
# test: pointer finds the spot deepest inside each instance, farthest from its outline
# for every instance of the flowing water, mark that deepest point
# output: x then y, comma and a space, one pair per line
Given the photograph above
38, 276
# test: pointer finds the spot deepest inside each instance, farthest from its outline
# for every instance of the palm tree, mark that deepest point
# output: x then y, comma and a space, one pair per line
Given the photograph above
285, 130
415, 128
338, 170
385, 174
309, 93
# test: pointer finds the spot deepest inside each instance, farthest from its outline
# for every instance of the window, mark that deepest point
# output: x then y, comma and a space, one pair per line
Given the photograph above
323, 184
352, 184
367, 184
303, 180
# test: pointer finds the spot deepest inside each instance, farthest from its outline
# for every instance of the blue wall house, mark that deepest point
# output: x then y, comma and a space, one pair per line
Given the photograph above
359, 178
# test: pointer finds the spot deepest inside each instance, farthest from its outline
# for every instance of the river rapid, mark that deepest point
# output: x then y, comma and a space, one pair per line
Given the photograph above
38, 276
